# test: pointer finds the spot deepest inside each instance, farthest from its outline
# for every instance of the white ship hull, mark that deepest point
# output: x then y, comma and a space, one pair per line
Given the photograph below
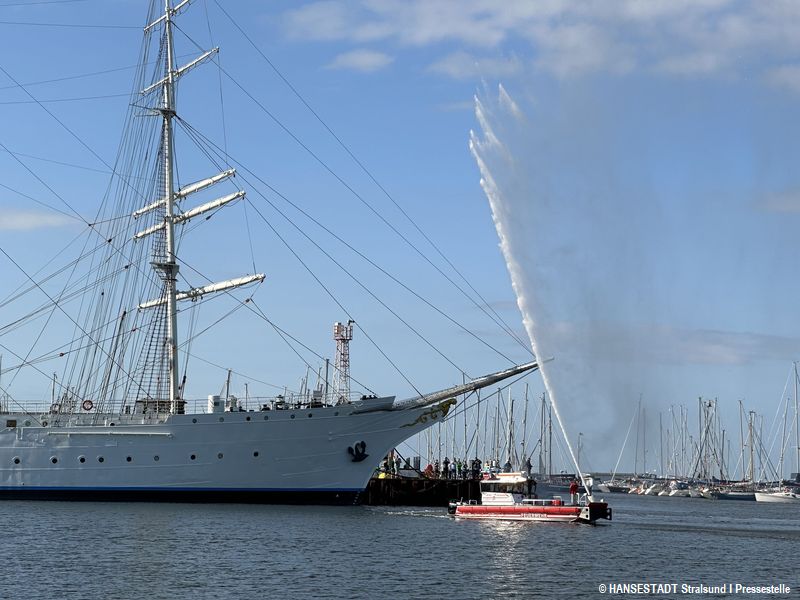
303, 455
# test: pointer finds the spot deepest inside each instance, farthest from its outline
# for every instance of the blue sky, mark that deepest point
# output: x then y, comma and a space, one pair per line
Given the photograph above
653, 185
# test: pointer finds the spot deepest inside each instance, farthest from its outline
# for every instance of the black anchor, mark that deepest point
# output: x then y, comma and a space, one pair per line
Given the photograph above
358, 451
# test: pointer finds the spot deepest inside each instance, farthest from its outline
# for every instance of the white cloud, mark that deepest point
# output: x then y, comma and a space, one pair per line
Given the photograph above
785, 76
665, 344
700, 63
416, 22
22, 220
319, 21
366, 61
569, 39
788, 201
568, 50
656, 10
461, 65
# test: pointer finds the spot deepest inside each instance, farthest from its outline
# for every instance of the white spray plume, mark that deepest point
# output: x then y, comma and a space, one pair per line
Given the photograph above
512, 247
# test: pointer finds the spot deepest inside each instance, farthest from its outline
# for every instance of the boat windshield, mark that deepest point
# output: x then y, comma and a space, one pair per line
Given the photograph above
506, 488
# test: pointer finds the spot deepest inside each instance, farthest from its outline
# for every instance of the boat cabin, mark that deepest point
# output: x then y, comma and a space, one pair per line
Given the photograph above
506, 489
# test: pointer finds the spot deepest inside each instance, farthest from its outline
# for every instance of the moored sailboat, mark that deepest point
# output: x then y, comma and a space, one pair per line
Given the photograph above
780, 496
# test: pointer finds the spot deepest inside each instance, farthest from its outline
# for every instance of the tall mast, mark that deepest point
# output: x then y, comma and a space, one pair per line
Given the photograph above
751, 414
165, 260
638, 427
464, 409
741, 436
661, 445
542, 437
495, 419
478, 426
168, 265
550, 440
510, 460
796, 423
524, 456
644, 441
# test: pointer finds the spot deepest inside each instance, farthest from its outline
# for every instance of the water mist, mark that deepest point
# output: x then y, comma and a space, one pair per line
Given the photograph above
491, 155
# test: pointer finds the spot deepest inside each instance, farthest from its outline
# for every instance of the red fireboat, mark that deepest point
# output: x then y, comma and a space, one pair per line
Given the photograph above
508, 497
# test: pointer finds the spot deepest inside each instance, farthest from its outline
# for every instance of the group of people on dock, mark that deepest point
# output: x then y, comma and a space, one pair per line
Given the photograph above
447, 469
455, 469
394, 465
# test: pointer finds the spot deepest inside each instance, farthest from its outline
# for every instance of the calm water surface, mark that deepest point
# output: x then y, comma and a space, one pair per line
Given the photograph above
87, 550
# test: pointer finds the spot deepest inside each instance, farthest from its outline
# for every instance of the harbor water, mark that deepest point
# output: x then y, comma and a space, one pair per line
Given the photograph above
55, 550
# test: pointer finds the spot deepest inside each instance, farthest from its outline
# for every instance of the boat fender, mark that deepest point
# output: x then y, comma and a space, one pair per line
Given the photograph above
358, 451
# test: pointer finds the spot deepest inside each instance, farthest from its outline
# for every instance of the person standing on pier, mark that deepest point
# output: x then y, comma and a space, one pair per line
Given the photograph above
476, 468
573, 491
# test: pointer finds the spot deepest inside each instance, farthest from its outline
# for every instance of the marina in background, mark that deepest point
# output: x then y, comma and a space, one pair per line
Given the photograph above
691, 459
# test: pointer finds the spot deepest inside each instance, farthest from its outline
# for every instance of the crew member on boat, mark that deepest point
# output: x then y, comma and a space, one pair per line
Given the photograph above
573, 491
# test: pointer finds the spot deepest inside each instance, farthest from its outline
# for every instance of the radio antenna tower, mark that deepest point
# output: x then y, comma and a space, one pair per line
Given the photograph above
341, 366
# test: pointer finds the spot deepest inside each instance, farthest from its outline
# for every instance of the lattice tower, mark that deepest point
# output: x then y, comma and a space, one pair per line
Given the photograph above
342, 334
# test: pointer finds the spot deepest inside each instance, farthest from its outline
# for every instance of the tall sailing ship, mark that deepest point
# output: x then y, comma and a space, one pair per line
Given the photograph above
119, 426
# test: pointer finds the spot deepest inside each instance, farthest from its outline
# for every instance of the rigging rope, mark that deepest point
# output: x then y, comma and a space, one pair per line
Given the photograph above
369, 174
343, 242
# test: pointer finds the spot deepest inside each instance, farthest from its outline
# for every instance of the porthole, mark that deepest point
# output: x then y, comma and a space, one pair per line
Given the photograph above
44, 423
54, 459
155, 458
27, 423
112, 424
193, 456
336, 414
81, 459
255, 454
219, 455
128, 458
309, 415
266, 417
16, 460
247, 418
100, 459
221, 419
194, 420
293, 416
